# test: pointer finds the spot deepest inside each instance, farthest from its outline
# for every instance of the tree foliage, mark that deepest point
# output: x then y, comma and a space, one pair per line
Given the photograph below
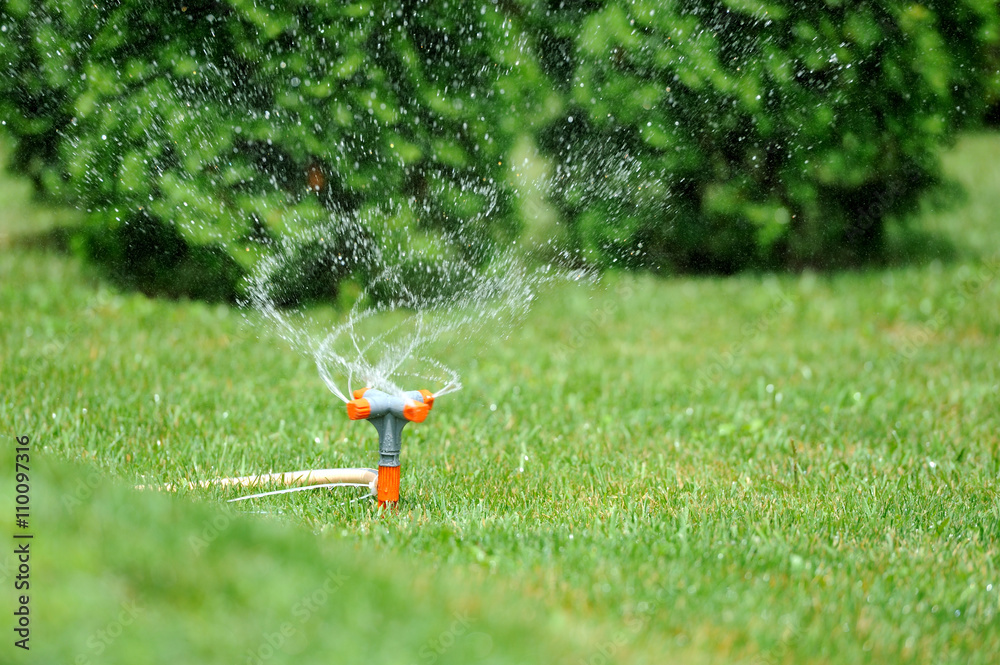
236, 123
687, 135
717, 135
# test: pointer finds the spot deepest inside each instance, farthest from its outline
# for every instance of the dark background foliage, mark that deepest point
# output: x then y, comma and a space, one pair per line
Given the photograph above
694, 136
777, 134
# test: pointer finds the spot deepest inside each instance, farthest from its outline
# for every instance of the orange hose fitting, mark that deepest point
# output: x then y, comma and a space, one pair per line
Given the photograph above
358, 409
428, 398
416, 411
388, 485
359, 393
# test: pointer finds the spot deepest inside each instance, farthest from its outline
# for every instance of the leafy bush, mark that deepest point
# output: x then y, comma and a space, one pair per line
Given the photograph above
993, 84
696, 135
233, 124
718, 135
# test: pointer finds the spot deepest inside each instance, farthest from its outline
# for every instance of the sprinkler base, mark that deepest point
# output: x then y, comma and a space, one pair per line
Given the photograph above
388, 486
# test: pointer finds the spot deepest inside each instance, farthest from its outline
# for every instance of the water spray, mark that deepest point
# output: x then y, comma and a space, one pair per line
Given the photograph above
465, 300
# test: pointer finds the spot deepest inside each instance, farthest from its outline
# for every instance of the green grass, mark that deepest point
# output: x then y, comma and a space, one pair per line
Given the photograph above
777, 469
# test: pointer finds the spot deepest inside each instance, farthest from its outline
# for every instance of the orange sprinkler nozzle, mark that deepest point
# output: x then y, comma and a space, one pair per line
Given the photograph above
416, 411
359, 409
359, 393
428, 398
388, 485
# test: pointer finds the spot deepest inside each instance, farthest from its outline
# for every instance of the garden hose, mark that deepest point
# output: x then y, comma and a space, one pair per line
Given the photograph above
387, 413
305, 478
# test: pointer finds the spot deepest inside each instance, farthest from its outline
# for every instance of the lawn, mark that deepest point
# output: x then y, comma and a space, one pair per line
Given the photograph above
760, 469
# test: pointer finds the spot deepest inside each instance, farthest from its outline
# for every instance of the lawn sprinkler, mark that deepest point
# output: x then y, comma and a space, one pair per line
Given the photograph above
389, 414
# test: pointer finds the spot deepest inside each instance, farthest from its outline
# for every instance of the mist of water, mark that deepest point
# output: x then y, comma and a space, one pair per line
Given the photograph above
386, 341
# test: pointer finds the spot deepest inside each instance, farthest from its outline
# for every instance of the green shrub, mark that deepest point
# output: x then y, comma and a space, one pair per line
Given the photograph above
720, 135
993, 84
694, 135
237, 124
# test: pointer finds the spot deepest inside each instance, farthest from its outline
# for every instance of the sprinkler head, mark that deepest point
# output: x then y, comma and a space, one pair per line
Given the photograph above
389, 414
